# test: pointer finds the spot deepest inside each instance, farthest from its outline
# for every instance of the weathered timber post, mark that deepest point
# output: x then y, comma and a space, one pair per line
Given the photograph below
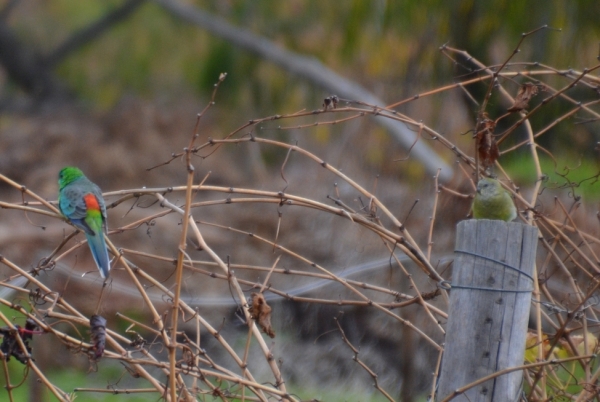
489, 309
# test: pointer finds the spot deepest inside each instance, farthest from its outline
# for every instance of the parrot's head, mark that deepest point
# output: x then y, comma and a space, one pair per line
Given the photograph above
68, 175
488, 187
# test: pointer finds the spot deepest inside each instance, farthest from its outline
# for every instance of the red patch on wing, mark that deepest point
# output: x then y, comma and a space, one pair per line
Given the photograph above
91, 202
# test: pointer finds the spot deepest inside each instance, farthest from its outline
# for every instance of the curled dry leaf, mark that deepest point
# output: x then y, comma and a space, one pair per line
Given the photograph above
486, 143
261, 312
526, 91
98, 331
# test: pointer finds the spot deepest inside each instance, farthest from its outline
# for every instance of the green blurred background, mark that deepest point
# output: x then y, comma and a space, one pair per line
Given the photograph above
390, 48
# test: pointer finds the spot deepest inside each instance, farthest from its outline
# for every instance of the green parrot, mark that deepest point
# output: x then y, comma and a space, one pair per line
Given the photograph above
493, 202
81, 202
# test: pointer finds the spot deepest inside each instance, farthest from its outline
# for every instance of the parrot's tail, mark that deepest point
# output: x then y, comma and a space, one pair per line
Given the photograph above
100, 253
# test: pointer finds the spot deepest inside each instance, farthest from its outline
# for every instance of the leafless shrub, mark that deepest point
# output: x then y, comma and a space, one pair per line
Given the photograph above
193, 263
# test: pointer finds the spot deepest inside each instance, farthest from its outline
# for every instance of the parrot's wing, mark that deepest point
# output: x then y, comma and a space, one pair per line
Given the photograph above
71, 203
98, 193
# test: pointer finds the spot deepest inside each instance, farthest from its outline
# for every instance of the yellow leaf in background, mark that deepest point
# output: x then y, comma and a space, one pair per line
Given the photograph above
532, 347
592, 343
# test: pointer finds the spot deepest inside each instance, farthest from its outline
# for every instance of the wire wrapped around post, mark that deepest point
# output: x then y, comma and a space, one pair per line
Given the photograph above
492, 281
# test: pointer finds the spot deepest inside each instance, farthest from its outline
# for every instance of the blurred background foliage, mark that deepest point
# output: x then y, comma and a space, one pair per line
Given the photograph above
389, 47
143, 80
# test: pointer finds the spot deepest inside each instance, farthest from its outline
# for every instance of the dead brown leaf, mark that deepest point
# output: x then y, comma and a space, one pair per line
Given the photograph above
261, 312
526, 91
486, 143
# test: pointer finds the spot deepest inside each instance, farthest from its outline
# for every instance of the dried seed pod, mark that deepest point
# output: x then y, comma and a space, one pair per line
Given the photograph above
98, 335
10, 346
330, 102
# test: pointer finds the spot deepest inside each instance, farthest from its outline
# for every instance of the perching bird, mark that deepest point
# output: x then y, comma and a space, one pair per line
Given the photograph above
493, 202
81, 202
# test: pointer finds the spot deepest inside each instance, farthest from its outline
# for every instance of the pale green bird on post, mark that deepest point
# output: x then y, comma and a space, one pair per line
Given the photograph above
493, 202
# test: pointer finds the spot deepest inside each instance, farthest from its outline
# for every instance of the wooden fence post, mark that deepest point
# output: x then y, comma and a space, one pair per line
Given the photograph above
489, 309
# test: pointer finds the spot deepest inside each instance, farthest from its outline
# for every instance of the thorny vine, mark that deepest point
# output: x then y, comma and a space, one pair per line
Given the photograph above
165, 348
